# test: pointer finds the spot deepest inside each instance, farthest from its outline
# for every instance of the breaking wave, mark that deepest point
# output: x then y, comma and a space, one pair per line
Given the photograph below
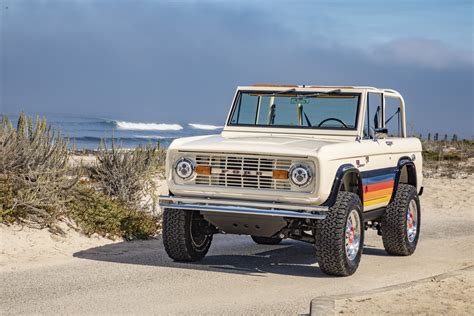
149, 137
205, 126
147, 126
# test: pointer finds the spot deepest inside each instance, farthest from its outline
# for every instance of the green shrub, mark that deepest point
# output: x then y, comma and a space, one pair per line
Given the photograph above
128, 175
6, 200
38, 186
97, 213
34, 173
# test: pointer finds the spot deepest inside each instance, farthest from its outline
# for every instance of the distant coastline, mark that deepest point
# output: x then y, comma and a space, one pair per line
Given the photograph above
86, 133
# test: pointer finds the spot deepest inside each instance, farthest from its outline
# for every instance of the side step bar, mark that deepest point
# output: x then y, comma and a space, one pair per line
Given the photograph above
243, 207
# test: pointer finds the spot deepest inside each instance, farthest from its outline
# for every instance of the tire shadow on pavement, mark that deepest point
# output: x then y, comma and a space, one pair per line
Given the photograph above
374, 251
228, 254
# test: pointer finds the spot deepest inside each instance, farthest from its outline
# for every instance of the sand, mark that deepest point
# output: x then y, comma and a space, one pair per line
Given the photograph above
25, 248
453, 295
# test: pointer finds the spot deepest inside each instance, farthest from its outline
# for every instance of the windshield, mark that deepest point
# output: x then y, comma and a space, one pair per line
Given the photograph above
295, 109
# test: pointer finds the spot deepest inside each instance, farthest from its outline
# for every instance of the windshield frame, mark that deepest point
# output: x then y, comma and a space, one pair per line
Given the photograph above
358, 94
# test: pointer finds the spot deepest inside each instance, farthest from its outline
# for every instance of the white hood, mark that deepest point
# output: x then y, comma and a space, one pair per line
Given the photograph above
277, 145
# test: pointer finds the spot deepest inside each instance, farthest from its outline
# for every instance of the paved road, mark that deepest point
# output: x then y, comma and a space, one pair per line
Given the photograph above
237, 276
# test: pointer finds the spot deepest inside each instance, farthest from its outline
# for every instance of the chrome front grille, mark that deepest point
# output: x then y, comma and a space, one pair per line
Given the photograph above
243, 171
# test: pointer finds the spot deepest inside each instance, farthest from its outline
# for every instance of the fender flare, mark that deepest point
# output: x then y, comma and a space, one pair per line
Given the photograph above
336, 186
402, 162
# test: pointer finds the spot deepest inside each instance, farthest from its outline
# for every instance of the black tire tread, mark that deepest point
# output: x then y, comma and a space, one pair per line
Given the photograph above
394, 237
175, 237
329, 237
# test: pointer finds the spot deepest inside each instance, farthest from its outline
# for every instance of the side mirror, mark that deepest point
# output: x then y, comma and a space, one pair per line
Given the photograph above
381, 133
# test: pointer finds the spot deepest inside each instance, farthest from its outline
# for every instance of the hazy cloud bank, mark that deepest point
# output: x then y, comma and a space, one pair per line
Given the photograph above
173, 62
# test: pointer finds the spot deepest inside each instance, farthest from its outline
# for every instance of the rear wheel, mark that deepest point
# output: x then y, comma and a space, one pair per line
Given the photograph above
266, 240
185, 235
340, 236
401, 222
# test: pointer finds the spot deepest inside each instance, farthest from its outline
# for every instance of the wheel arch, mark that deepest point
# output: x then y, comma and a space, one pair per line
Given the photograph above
405, 173
348, 179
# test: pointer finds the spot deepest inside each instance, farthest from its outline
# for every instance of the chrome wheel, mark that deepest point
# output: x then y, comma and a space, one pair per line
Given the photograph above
352, 235
412, 220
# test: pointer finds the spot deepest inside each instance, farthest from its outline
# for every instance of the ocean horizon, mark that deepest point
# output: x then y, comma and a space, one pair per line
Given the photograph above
87, 132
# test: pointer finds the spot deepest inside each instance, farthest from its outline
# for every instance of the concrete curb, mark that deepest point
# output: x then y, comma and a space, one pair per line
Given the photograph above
326, 305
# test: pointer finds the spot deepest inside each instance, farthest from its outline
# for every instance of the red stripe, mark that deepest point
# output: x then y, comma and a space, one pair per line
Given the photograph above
379, 186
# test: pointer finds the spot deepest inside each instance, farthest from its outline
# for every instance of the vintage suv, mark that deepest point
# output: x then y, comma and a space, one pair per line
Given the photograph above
318, 164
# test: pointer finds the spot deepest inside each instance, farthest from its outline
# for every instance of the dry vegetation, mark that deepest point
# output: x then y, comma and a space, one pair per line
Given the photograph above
38, 187
34, 175
128, 175
451, 159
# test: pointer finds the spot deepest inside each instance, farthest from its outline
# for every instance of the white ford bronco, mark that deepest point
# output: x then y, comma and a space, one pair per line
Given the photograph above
317, 164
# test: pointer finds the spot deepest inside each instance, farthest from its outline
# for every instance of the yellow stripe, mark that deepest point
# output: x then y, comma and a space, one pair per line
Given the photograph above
377, 201
377, 194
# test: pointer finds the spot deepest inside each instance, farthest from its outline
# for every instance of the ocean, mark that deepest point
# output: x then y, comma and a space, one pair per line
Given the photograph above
87, 132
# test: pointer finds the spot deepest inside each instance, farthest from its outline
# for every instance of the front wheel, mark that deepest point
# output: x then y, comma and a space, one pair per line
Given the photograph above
340, 236
185, 235
401, 222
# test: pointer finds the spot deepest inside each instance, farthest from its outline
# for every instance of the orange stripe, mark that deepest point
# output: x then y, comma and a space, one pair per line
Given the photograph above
379, 186
378, 194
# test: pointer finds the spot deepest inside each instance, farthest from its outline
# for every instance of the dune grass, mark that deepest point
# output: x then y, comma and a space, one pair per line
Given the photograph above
451, 159
97, 213
39, 187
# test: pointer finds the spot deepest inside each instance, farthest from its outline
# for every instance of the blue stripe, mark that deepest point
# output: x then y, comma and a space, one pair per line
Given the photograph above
378, 179
378, 172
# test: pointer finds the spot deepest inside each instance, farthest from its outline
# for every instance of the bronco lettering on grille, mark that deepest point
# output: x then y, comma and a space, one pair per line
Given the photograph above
237, 172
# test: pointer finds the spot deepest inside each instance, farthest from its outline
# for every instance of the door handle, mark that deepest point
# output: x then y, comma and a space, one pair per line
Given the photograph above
389, 142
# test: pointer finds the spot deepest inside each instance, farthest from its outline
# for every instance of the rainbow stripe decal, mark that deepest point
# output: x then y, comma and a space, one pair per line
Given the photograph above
378, 186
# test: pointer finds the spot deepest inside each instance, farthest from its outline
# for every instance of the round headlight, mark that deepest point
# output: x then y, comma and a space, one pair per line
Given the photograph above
184, 168
300, 175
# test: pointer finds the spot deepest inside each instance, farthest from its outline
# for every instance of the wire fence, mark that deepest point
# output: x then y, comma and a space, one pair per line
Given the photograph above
438, 137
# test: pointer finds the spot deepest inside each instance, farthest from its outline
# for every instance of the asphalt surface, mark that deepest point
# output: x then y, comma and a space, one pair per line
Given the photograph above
236, 277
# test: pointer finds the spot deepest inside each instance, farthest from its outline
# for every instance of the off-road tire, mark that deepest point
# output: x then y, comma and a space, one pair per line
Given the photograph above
266, 240
394, 222
330, 236
177, 239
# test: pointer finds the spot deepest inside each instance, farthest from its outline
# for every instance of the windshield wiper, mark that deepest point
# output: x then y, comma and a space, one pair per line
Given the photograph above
299, 94
281, 92
337, 91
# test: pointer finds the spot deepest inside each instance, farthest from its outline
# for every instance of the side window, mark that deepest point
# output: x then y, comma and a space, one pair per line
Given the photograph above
392, 117
373, 114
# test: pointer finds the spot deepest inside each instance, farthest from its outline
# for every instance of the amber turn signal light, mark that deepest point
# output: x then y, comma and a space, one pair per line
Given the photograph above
280, 174
206, 170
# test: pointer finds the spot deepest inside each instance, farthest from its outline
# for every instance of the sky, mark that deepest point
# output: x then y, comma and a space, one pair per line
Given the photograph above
180, 61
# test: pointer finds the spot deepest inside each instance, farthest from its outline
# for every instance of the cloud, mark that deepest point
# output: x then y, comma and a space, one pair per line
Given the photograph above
423, 52
180, 62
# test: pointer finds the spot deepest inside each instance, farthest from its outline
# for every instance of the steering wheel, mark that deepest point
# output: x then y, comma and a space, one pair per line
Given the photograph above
332, 119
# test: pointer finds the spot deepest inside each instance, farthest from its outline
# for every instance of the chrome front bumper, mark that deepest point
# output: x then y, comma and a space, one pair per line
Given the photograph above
243, 207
